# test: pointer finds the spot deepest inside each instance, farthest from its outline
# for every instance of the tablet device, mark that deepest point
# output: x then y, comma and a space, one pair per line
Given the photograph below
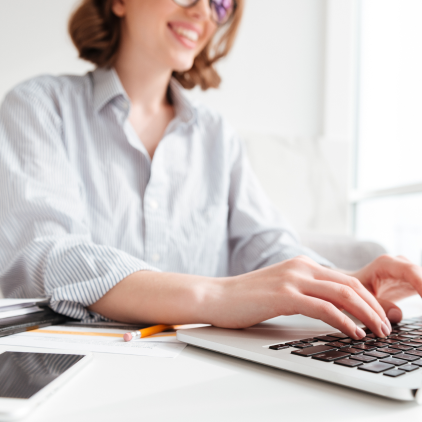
28, 378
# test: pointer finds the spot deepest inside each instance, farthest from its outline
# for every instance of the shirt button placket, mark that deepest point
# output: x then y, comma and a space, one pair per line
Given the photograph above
155, 228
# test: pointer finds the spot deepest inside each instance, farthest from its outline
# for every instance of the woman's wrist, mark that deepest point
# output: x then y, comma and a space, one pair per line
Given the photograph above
212, 295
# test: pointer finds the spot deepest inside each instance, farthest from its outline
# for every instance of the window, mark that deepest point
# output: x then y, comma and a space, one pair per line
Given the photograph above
388, 188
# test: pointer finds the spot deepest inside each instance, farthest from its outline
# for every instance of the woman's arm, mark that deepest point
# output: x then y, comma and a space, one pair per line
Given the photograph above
296, 286
46, 246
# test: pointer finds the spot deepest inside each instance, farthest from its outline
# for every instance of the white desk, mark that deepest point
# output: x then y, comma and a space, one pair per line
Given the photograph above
204, 386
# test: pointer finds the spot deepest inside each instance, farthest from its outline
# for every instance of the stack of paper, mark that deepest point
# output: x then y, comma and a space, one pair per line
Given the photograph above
15, 307
98, 340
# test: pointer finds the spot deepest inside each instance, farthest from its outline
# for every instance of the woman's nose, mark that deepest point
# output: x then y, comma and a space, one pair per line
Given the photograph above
201, 10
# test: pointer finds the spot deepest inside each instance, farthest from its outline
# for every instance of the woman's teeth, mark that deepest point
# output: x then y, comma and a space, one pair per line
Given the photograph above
187, 33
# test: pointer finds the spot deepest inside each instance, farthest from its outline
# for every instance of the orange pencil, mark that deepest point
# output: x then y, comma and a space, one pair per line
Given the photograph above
145, 332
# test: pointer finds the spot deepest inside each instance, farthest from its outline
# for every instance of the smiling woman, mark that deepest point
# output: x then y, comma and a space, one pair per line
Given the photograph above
122, 199
96, 31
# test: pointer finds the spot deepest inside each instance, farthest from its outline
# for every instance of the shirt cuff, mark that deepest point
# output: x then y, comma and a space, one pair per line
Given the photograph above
292, 251
84, 274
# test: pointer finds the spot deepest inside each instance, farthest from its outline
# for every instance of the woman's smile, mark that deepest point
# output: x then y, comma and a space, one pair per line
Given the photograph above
185, 33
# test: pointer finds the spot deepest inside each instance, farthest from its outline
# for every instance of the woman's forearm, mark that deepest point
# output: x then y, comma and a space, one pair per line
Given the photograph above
296, 286
166, 298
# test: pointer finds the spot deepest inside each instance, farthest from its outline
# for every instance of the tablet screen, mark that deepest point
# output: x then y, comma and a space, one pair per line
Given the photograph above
24, 374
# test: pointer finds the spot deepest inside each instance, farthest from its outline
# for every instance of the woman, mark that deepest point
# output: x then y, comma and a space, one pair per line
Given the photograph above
123, 200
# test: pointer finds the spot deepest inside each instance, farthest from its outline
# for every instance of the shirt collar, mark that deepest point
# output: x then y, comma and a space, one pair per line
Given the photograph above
107, 87
183, 106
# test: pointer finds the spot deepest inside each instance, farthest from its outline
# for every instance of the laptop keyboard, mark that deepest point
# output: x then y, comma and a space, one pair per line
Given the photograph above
393, 356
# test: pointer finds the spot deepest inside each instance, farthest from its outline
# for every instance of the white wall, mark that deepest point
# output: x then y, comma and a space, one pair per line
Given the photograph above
273, 78
273, 92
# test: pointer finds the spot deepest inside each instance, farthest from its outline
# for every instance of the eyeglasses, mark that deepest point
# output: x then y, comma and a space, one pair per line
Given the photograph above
221, 10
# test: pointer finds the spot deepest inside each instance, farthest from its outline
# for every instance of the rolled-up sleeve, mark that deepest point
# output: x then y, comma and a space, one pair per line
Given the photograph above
258, 235
46, 247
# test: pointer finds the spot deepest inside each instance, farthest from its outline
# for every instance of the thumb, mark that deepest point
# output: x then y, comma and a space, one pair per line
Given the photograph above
393, 312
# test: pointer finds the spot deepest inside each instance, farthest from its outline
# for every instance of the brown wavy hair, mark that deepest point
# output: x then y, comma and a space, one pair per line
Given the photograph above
95, 31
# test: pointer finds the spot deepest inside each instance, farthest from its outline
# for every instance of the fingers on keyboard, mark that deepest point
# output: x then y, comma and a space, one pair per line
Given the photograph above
394, 356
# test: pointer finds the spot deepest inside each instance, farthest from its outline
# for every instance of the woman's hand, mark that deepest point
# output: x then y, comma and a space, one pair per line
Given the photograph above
298, 286
391, 279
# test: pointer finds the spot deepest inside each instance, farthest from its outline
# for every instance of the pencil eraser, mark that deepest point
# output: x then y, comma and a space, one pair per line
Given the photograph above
127, 337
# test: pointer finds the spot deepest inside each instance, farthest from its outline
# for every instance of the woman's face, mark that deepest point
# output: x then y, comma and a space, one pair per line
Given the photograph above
163, 32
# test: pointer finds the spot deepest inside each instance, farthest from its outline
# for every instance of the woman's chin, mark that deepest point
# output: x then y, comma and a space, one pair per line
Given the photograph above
182, 65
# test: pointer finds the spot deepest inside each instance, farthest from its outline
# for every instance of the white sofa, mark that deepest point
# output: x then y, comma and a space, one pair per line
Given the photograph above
344, 251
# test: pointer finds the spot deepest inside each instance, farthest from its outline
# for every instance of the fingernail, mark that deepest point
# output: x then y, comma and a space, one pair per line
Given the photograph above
385, 330
360, 333
394, 315
387, 322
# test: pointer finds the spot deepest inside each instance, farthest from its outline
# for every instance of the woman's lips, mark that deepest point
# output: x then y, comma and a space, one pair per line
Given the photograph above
187, 36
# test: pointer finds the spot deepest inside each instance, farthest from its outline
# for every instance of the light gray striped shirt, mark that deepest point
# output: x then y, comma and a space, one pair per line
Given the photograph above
83, 206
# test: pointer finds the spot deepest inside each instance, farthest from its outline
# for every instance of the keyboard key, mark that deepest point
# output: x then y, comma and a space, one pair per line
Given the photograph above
409, 368
279, 347
388, 350
412, 344
336, 344
377, 355
411, 327
401, 347
379, 344
352, 351
365, 347
325, 338
394, 373
314, 350
389, 341
293, 343
371, 335
364, 358
417, 362
308, 340
394, 361
302, 345
352, 342
376, 367
358, 342
401, 338
416, 340
409, 336
338, 335
331, 356
407, 357
351, 363
415, 353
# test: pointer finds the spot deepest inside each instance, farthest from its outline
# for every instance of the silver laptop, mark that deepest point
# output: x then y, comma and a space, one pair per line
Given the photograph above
390, 367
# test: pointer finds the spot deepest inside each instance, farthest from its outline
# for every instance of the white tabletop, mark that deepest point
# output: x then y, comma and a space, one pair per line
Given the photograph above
200, 386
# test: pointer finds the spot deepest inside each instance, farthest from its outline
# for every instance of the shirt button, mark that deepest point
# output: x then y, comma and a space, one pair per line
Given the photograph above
153, 204
156, 257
